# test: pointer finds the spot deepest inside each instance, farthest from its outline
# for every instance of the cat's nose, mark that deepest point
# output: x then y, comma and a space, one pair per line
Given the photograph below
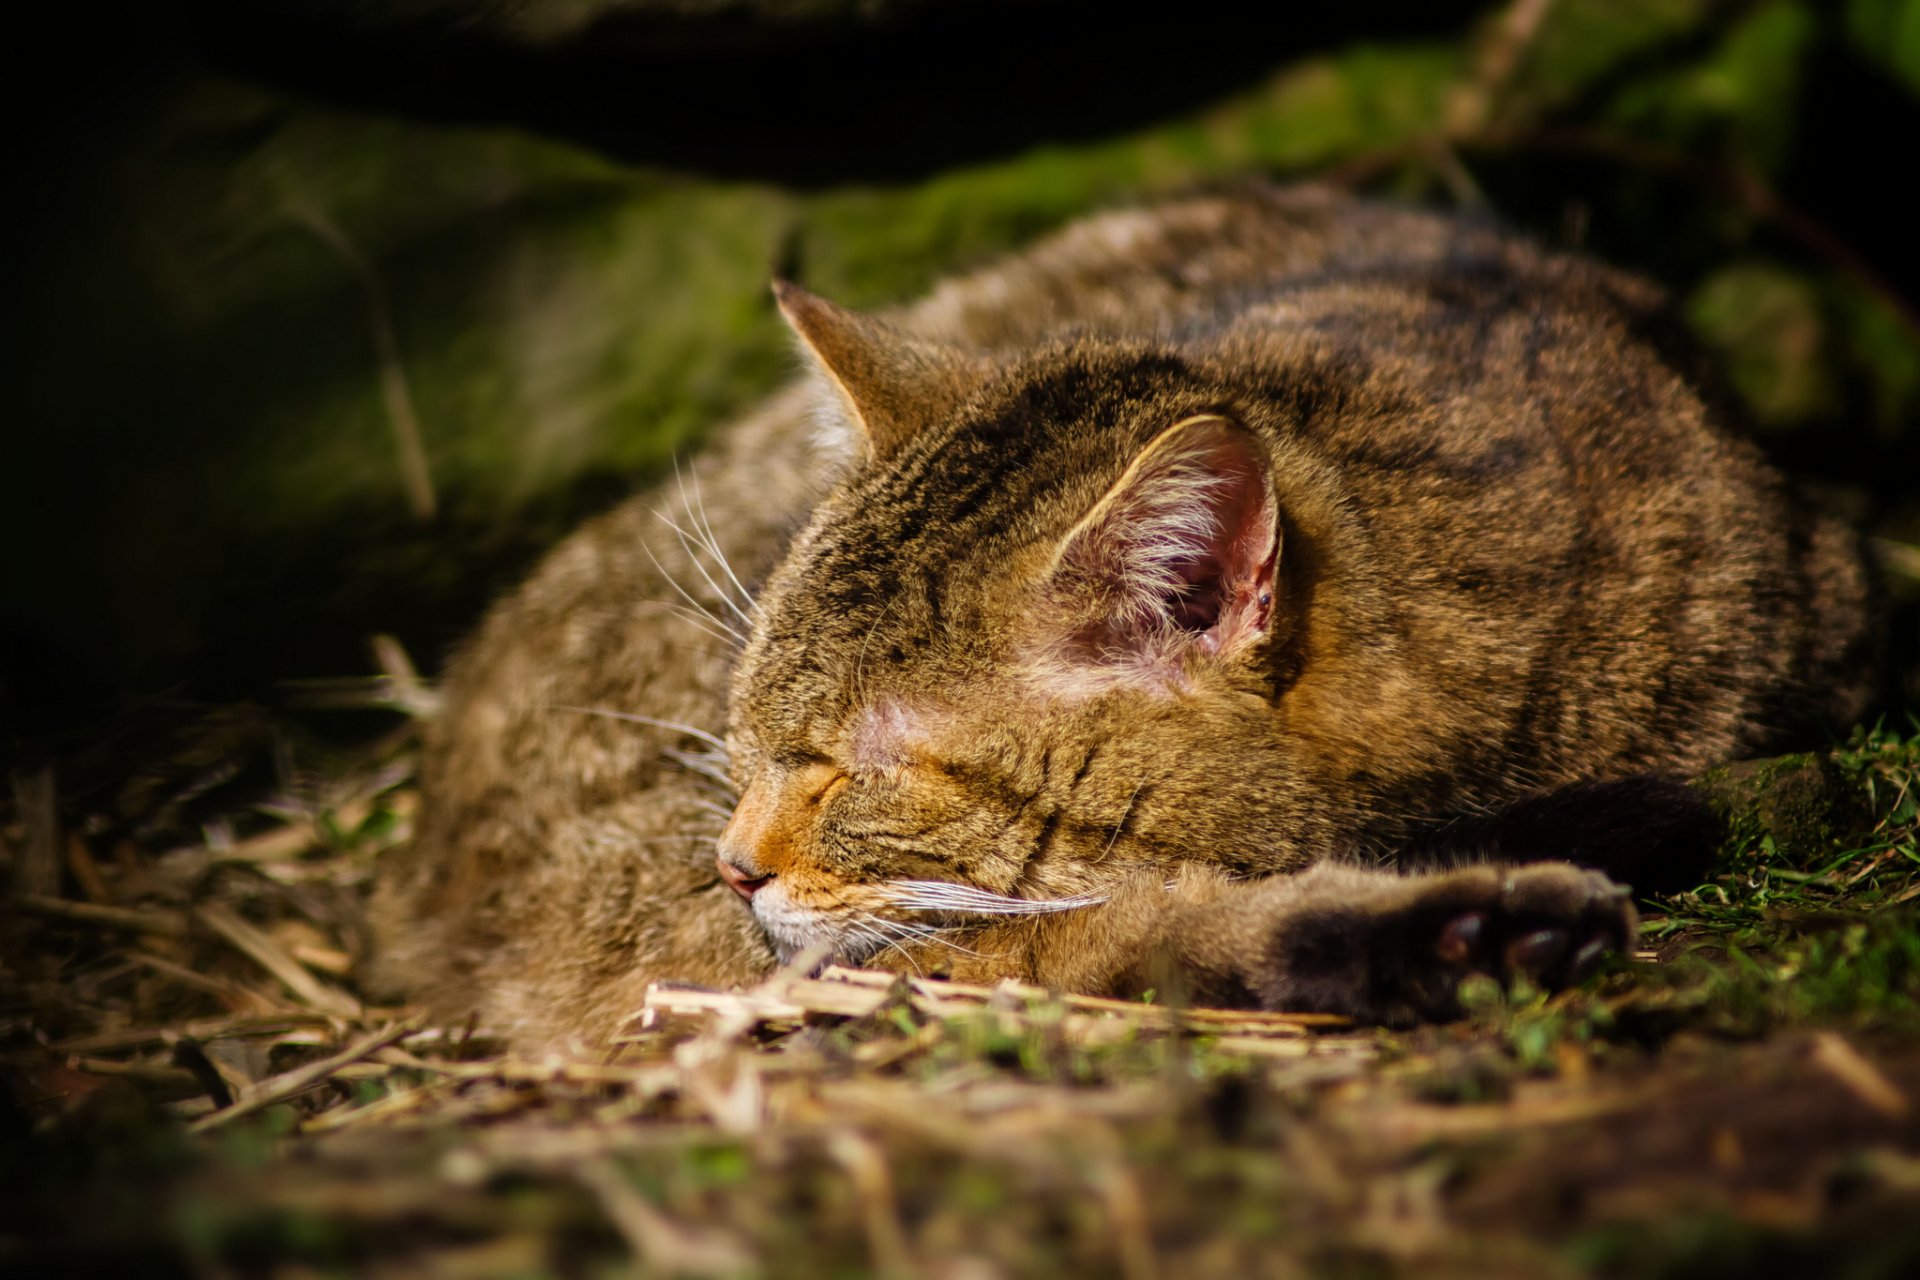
739, 880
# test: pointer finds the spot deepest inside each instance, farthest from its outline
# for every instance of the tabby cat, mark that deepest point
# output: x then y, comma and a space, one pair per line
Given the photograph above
1146, 609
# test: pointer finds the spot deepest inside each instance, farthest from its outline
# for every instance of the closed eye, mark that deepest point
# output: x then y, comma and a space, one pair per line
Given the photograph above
832, 787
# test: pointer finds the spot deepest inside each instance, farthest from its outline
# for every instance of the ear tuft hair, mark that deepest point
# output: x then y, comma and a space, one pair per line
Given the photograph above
1179, 559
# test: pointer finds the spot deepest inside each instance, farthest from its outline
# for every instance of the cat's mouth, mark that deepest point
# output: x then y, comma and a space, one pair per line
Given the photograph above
900, 915
794, 928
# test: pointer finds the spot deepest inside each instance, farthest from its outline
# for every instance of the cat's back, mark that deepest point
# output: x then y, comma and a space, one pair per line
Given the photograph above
1563, 514
1571, 548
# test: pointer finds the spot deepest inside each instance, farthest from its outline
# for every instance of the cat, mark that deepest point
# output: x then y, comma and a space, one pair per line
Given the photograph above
1134, 613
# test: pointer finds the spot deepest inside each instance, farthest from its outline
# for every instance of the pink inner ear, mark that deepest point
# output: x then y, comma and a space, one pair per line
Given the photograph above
1184, 551
1227, 592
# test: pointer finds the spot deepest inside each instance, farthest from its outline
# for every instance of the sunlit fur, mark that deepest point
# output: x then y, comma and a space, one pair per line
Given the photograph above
1517, 549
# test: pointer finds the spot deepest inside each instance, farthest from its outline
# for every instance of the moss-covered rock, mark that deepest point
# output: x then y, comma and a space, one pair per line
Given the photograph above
256, 336
1783, 811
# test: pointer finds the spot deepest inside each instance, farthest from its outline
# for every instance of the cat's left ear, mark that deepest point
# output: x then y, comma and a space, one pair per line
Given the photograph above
893, 385
1180, 556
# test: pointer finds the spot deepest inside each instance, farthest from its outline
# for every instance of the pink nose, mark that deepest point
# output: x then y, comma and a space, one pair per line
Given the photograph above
739, 881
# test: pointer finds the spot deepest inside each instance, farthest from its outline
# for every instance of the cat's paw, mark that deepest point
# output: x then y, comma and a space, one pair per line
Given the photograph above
1394, 950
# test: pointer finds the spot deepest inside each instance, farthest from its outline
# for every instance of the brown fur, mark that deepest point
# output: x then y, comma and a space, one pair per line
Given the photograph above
1194, 546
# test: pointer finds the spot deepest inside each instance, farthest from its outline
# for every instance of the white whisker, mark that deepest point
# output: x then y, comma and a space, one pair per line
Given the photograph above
697, 512
861, 930
1124, 815
922, 933
726, 636
698, 608
944, 895
711, 740
719, 811
701, 765
688, 543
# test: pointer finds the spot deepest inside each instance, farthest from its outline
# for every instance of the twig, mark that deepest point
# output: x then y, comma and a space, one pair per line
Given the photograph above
393, 1104
1470, 107
281, 844
299, 1080
407, 691
86, 872
38, 873
272, 957
880, 1217
394, 391
201, 1029
665, 1247
167, 924
147, 1072
225, 988
1126, 1209
852, 993
1859, 1077
1411, 1124
1902, 558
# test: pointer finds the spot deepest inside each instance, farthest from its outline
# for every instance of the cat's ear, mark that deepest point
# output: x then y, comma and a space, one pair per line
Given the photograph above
1179, 557
893, 385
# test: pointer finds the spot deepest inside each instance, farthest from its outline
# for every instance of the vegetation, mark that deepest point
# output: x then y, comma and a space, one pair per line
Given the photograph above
249, 305
1741, 1090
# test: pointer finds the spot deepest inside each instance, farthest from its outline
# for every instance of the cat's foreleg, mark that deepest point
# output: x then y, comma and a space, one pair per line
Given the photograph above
1385, 947
1375, 945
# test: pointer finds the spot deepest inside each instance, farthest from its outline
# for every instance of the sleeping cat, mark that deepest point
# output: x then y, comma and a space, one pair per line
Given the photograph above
1137, 611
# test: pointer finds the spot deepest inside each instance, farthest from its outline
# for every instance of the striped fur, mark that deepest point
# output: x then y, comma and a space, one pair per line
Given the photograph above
1516, 548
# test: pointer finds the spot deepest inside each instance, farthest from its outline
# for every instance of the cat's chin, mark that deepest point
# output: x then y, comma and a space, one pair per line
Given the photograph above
794, 930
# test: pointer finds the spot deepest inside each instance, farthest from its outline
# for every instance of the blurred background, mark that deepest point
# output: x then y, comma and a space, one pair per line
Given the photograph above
324, 317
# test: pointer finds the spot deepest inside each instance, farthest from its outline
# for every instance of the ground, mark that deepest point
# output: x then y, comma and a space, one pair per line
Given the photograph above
196, 1087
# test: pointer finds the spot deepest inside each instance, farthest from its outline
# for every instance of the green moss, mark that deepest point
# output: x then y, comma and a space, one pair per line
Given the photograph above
1786, 811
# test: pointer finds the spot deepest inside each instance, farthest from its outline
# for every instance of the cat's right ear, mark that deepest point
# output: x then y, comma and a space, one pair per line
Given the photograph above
1176, 564
891, 384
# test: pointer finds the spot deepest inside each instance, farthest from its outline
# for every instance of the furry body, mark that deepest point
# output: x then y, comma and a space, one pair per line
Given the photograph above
1477, 535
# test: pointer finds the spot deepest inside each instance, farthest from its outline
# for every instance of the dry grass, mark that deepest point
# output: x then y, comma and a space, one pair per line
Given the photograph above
198, 1084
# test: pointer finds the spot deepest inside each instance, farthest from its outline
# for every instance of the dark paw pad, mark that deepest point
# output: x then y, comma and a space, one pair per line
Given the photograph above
1392, 949
1460, 940
1553, 924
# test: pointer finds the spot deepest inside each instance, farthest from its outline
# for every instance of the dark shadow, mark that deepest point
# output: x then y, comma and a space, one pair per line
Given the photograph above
1653, 832
815, 101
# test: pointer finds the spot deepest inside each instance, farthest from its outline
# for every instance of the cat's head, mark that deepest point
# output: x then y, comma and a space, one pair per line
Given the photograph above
1026, 644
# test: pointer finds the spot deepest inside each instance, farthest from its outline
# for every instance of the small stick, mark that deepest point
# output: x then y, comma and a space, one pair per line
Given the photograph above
167, 924
1902, 558
275, 1024
872, 1182
1127, 1210
384, 1108
281, 844
222, 987
1859, 1077
395, 393
939, 988
405, 689
272, 957
300, 1079
86, 872
662, 1245
147, 1072
35, 800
